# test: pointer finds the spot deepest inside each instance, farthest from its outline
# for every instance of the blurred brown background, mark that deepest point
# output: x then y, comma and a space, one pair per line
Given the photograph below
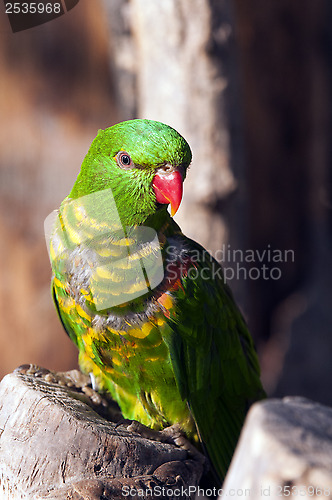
249, 84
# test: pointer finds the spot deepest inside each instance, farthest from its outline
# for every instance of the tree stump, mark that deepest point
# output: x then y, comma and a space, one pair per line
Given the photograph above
285, 450
57, 441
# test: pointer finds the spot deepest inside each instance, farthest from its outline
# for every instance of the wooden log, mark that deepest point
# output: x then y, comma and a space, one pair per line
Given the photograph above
285, 450
54, 444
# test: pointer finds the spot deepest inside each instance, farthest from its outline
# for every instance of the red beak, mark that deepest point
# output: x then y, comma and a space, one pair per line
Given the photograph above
168, 189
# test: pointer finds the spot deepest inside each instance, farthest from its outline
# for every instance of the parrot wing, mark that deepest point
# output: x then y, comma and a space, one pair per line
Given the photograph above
213, 357
65, 321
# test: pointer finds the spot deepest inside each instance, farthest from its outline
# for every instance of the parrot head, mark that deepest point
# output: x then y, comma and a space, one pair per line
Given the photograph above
143, 162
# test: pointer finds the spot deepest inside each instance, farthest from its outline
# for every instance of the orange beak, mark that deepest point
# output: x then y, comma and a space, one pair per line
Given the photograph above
168, 189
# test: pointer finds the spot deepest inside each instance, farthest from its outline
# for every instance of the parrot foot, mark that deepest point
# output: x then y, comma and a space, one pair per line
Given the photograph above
142, 430
171, 435
175, 435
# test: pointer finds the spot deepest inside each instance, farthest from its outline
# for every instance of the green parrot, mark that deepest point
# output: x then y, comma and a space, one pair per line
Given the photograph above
154, 322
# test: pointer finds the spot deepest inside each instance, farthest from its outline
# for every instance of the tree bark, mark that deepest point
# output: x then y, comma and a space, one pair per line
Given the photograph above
54, 444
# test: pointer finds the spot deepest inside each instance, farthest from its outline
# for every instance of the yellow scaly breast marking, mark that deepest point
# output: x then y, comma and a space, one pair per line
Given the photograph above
124, 242
116, 361
155, 358
55, 253
80, 213
105, 252
88, 339
142, 332
117, 332
82, 313
58, 283
67, 305
160, 321
74, 236
105, 273
134, 288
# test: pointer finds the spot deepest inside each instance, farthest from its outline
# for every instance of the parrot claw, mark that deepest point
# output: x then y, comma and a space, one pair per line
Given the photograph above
94, 382
175, 435
141, 429
171, 435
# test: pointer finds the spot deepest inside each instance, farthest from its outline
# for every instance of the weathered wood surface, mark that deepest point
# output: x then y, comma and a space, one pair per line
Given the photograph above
285, 450
54, 444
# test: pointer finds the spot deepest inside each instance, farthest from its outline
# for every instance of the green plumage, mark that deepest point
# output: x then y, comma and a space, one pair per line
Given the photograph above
170, 349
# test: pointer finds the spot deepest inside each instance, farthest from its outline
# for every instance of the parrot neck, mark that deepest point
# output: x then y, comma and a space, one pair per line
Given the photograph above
157, 220
162, 223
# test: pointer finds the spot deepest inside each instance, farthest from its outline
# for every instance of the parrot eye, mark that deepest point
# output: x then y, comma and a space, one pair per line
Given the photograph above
167, 168
123, 160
